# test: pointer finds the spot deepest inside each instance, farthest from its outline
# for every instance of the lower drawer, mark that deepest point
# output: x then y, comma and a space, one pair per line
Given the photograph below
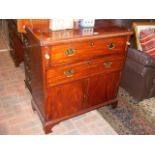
63, 74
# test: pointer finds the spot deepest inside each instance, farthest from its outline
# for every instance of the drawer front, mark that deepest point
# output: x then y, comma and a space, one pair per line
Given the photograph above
68, 53
26, 56
59, 75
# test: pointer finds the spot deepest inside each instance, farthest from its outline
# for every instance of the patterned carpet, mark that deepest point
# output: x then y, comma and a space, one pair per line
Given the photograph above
129, 117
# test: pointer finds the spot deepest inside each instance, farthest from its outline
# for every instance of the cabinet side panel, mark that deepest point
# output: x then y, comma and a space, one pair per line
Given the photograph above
37, 77
36, 72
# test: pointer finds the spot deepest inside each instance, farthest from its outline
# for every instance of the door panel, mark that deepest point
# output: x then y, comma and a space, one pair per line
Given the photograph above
66, 99
102, 88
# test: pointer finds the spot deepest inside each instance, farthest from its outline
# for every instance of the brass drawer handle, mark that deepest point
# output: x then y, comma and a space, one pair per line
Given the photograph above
107, 64
70, 52
128, 43
69, 73
111, 46
47, 56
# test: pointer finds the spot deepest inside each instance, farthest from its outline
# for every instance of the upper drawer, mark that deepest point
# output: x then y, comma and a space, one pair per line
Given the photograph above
68, 53
68, 73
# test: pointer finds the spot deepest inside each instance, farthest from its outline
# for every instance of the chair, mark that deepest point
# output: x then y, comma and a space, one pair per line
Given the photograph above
138, 77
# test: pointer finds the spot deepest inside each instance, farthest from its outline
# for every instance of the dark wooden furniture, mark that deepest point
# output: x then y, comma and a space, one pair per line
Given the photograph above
15, 40
16, 28
72, 73
30, 22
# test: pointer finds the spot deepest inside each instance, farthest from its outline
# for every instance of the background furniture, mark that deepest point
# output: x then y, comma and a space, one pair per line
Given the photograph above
139, 75
139, 72
72, 73
15, 41
16, 29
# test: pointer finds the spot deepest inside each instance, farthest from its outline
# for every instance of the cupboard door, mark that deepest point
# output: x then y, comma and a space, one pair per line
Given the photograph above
66, 99
102, 88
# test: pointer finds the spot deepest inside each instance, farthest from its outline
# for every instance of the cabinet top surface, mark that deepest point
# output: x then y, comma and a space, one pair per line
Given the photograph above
46, 36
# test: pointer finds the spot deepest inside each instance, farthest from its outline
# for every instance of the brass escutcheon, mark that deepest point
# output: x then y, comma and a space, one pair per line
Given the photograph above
107, 64
111, 45
69, 73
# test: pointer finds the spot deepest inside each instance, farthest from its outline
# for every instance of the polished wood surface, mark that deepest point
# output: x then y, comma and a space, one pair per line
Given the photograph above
47, 37
72, 73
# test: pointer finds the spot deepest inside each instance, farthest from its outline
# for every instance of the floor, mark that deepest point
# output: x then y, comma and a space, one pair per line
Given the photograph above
17, 117
3, 45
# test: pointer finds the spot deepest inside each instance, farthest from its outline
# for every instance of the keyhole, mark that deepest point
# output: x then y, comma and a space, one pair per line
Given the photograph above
92, 44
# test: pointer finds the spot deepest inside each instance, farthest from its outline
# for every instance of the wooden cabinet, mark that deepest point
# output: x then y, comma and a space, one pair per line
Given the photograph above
72, 73
31, 22
16, 45
16, 30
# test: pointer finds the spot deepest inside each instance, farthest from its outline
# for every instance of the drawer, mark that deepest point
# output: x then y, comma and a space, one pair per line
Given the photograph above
69, 53
28, 76
68, 73
27, 68
26, 56
28, 82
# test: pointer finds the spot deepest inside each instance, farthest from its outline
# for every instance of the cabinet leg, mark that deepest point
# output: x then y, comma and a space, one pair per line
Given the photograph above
48, 129
114, 105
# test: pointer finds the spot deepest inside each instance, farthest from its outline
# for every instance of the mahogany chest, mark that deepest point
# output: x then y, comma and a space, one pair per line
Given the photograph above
71, 72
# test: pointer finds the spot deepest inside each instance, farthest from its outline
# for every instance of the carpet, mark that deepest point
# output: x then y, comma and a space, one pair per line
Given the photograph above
131, 118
